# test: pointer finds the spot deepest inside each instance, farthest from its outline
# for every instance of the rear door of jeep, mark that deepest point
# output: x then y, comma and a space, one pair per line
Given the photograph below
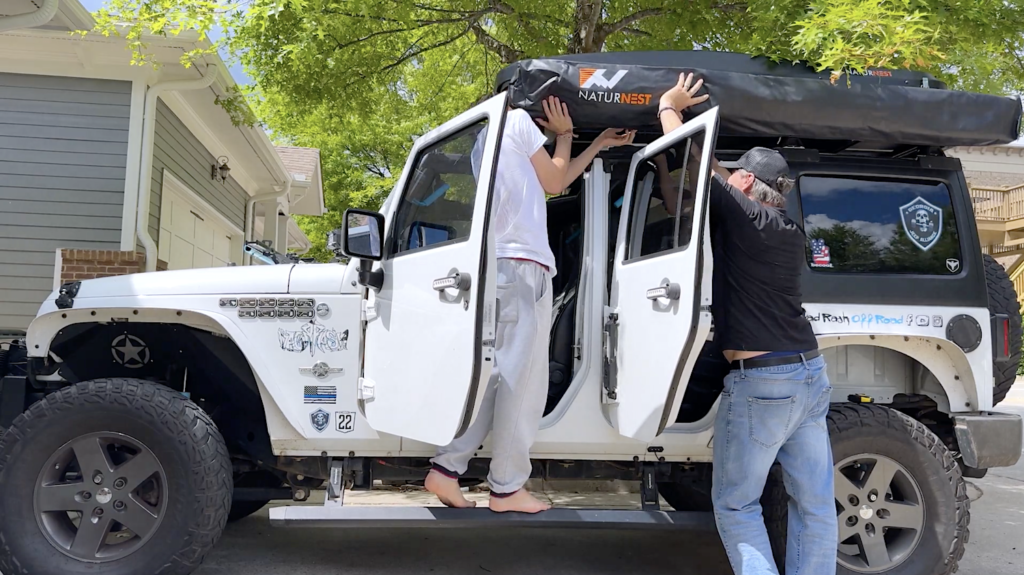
659, 298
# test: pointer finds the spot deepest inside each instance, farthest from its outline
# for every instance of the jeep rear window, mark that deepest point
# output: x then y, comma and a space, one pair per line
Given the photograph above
879, 226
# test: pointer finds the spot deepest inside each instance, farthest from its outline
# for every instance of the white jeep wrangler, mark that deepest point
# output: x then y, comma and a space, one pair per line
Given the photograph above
145, 411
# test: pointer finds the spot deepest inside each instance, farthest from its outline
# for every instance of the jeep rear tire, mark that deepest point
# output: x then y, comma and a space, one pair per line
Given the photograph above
1002, 298
142, 468
917, 522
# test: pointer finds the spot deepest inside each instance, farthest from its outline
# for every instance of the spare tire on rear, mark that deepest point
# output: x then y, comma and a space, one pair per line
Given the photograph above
1002, 299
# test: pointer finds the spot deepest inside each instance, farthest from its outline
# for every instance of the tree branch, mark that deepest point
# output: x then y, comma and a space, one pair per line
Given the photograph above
523, 19
409, 55
611, 28
464, 17
342, 46
504, 51
636, 32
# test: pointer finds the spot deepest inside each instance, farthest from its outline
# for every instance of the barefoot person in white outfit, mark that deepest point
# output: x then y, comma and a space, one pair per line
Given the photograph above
513, 403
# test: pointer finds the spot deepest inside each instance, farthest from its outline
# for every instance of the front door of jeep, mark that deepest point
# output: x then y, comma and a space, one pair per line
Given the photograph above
656, 283
429, 343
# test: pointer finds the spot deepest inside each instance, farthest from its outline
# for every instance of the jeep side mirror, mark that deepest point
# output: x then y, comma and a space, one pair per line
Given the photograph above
361, 234
360, 238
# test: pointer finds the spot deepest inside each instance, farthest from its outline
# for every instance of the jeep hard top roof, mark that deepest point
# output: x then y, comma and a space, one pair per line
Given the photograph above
762, 102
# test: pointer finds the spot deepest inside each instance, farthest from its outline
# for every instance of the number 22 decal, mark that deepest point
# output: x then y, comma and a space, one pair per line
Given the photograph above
346, 421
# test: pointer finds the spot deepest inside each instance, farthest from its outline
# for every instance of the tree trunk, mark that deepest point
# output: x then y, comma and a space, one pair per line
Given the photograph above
586, 22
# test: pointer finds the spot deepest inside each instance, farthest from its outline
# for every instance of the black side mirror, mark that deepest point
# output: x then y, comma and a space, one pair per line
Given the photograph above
361, 237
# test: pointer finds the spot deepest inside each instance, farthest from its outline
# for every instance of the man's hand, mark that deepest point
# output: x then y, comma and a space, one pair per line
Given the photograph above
683, 94
612, 137
557, 113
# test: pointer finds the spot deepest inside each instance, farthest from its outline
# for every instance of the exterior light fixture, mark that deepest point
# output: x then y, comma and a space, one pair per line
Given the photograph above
219, 171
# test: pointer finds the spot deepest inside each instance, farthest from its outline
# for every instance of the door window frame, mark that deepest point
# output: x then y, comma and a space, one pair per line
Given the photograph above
430, 139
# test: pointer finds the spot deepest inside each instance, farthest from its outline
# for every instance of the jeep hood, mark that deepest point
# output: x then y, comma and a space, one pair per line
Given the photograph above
255, 279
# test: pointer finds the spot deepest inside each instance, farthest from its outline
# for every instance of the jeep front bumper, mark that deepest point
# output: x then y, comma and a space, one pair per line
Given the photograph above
992, 440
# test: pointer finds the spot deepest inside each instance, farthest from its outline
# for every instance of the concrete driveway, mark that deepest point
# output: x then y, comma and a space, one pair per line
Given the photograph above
252, 547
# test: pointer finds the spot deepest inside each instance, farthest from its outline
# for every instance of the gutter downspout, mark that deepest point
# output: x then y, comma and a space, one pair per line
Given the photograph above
37, 18
250, 210
145, 171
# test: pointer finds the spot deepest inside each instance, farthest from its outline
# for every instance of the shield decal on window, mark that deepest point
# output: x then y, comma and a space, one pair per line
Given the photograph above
922, 222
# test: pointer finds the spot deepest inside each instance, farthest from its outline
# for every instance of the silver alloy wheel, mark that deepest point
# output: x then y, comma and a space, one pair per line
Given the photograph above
100, 497
881, 513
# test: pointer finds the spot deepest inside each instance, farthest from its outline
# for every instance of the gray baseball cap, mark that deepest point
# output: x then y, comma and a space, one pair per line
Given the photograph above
766, 165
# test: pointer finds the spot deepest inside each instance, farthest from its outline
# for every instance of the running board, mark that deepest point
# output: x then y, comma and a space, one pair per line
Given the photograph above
399, 516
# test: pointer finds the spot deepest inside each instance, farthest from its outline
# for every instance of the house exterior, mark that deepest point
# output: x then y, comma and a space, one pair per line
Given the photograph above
109, 168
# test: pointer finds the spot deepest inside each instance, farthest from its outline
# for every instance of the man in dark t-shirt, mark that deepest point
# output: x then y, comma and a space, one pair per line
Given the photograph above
776, 396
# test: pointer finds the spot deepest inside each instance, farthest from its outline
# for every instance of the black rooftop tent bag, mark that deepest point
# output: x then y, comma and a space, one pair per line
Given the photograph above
757, 97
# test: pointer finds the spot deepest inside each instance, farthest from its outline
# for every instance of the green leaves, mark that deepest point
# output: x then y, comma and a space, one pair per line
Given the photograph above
137, 19
359, 79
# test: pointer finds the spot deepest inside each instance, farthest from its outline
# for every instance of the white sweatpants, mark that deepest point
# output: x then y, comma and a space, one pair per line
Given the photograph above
513, 403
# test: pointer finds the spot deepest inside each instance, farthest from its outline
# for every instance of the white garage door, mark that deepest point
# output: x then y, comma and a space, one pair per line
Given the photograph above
192, 235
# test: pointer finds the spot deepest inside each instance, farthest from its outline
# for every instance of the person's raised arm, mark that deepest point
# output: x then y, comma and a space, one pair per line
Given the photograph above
552, 170
669, 193
557, 172
609, 138
678, 98
695, 153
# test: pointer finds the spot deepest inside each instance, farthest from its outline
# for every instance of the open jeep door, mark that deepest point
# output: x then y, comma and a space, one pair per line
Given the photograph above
429, 343
656, 290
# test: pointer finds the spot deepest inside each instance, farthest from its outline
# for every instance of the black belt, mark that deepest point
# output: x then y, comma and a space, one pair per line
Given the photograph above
755, 362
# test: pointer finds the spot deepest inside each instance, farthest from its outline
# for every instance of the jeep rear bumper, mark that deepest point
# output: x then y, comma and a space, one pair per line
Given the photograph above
992, 440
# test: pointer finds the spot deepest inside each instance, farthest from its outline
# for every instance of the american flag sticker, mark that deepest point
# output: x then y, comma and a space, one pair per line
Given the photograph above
320, 394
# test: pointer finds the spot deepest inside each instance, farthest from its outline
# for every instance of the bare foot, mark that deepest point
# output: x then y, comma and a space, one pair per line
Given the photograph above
520, 501
447, 490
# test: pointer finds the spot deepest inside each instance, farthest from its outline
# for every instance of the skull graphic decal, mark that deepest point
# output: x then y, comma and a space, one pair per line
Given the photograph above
922, 222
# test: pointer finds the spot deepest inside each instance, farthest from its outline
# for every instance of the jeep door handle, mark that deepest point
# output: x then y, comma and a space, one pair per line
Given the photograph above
669, 291
457, 280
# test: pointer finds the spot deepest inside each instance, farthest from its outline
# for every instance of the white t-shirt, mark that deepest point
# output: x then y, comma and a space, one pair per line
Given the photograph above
519, 217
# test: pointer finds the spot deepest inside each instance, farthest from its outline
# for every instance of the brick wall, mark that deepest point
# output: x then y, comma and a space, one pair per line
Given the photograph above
90, 264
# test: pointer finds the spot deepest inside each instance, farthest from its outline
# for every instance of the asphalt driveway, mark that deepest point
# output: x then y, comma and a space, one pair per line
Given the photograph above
253, 547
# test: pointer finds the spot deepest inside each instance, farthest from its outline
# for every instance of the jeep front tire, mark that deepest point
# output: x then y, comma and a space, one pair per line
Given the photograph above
118, 475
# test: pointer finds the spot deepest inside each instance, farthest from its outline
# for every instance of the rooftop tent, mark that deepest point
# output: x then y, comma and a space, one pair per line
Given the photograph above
759, 98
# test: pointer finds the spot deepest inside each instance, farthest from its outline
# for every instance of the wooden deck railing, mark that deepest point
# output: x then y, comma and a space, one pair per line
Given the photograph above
998, 205
1018, 287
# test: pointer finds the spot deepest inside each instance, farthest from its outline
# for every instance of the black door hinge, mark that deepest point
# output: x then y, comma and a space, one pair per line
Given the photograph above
67, 293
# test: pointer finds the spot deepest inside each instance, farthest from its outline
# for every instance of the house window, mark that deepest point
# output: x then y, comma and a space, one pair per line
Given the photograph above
879, 226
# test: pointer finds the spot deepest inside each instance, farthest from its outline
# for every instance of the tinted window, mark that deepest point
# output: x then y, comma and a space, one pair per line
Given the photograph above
859, 225
437, 204
663, 200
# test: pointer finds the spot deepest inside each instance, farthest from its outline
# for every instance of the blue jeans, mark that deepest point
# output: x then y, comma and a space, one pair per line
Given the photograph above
769, 414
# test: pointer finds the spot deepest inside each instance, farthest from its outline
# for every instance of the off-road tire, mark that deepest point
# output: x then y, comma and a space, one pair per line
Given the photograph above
856, 429
185, 442
1002, 298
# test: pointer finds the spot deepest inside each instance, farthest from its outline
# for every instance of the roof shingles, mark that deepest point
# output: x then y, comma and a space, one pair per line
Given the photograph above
303, 161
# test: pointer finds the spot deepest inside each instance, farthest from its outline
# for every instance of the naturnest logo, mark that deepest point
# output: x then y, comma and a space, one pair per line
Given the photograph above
598, 85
